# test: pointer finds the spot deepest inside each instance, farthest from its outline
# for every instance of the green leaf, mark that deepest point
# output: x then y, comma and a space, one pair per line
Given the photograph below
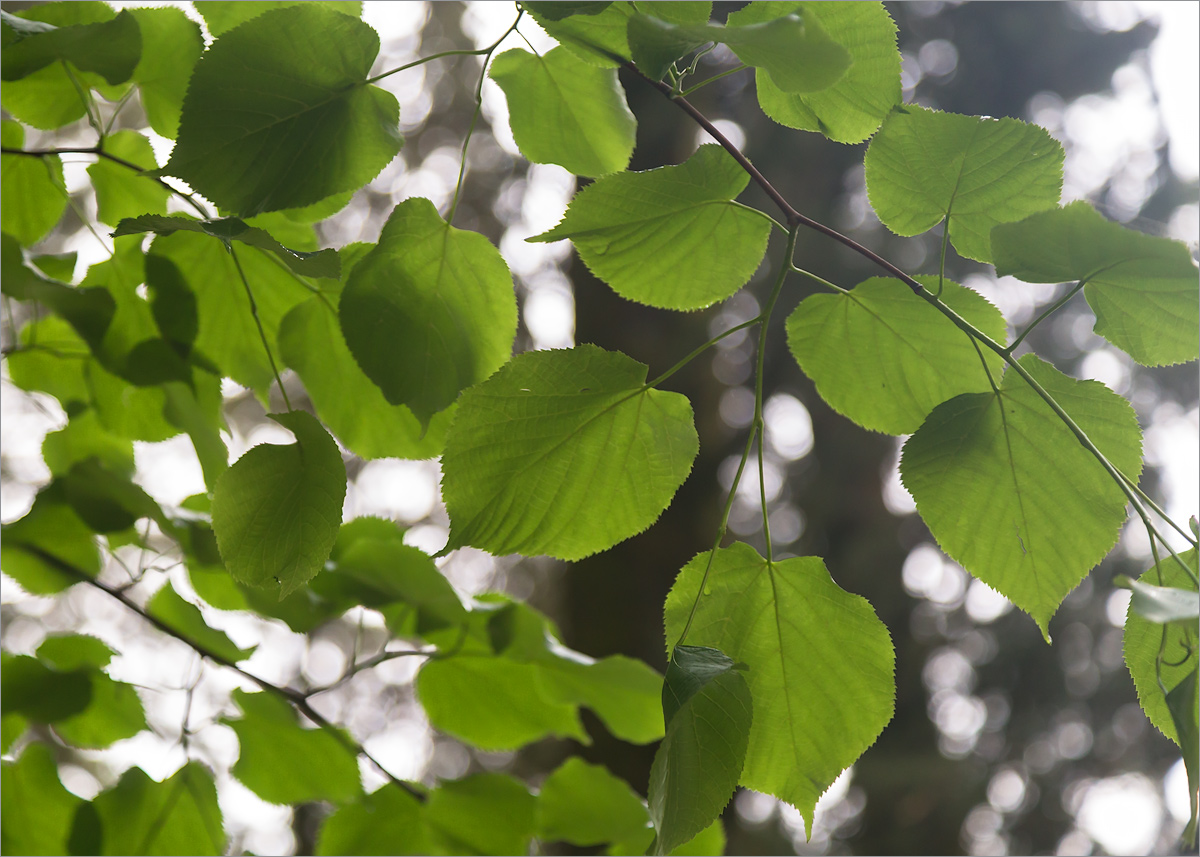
276, 511
564, 453
108, 501
51, 360
584, 804
35, 810
49, 531
323, 263
850, 110
820, 665
177, 816
564, 111
597, 38
69, 652
32, 193
709, 713
223, 15
1010, 494
1184, 705
974, 172
120, 191
1143, 639
623, 693
710, 840
1143, 289
114, 713
171, 45
12, 727
884, 358
670, 237
167, 607
83, 438
482, 814
56, 266
429, 311
375, 572
283, 763
387, 821
110, 49
1162, 604
795, 52
344, 398
278, 113
42, 694
556, 11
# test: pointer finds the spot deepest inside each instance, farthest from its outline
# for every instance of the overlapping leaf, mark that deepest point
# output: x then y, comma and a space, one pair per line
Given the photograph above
276, 511
387, 821
120, 191
50, 531
584, 804
885, 358
1008, 491
1144, 290
819, 665
110, 48
670, 237
223, 15
974, 172
564, 453
484, 813
32, 194
180, 815
278, 113
37, 811
171, 45
186, 619
429, 311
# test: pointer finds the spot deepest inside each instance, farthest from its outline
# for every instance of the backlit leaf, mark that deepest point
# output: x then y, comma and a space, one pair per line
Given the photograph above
482, 814
670, 237
819, 665
429, 311
974, 172
32, 197
584, 804
565, 111
278, 113
387, 821
223, 15
598, 38
120, 191
883, 357
1010, 494
1184, 706
171, 45
1144, 290
110, 49
564, 453
177, 816
167, 607
276, 511
35, 810
49, 531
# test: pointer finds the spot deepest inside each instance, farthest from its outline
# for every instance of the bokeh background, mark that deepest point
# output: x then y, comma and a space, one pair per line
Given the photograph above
1000, 743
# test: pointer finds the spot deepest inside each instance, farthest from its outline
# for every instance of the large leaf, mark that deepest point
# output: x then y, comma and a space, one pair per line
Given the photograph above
852, 108
140, 816
596, 37
345, 399
820, 665
284, 763
974, 172
110, 48
482, 814
171, 45
885, 358
430, 311
276, 511
708, 709
279, 115
584, 804
387, 821
1144, 290
120, 191
35, 810
564, 453
1010, 493
564, 111
1143, 639
223, 15
32, 194
670, 237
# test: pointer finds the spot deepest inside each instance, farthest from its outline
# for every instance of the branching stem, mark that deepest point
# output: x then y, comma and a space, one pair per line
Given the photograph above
262, 334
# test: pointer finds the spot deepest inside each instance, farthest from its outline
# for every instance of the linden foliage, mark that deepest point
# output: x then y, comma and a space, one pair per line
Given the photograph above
778, 679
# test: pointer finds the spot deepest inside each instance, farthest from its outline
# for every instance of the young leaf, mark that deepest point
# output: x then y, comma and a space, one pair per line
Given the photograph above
564, 453
167, 607
344, 398
1010, 494
177, 816
429, 311
110, 49
884, 358
974, 172
171, 45
820, 665
482, 814
584, 804
670, 237
223, 15
35, 810
283, 763
1144, 290
387, 821
278, 113
1143, 639
32, 195
120, 191
564, 111
708, 710
854, 106
276, 511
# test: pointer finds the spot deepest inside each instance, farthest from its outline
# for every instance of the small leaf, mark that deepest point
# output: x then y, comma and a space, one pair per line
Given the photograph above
564, 453
32, 194
387, 821
670, 237
171, 45
1144, 290
278, 113
429, 311
283, 763
564, 111
819, 664
974, 172
884, 358
110, 49
276, 511
177, 816
708, 709
584, 804
35, 810
167, 607
74, 651
1010, 494
482, 814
